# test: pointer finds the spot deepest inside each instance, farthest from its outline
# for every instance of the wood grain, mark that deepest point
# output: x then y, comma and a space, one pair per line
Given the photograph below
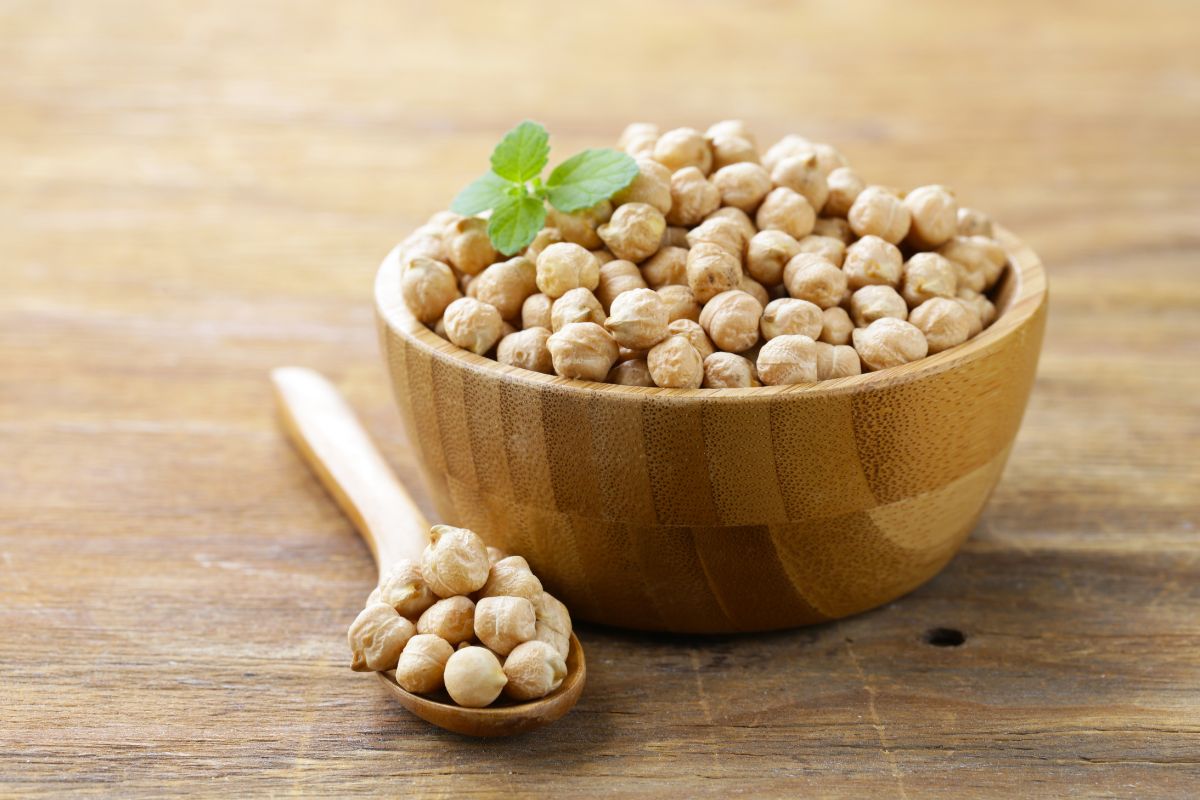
195, 194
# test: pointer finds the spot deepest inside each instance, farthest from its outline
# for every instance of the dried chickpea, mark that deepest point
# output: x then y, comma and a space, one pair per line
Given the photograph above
633, 372
878, 212
683, 147
680, 302
534, 669
652, 186
691, 330
636, 130
728, 150
876, 302
727, 371
803, 175
564, 266
453, 619
618, 276
834, 250
834, 228
973, 223
934, 213
836, 326
527, 349
428, 286
889, 342
828, 157
439, 328
502, 623
731, 127
788, 315
641, 146
602, 256
944, 322
535, 311
928, 275
731, 320
837, 361
638, 319
788, 146
712, 269
814, 278
423, 663
844, 188
787, 360
577, 305
544, 238
404, 589
742, 185
635, 231
468, 246
980, 260
872, 260
579, 227
754, 289
766, 255
473, 325
785, 210
675, 364
725, 233
583, 350
505, 285
377, 636
667, 267
473, 677
693, 197
495, 554
982, 305
735, 215
454, 562
423, 244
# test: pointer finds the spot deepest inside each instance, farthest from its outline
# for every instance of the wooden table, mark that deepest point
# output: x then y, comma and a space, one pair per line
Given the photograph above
191, 196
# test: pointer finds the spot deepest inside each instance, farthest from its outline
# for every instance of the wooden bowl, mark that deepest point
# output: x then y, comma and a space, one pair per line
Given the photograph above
717, 510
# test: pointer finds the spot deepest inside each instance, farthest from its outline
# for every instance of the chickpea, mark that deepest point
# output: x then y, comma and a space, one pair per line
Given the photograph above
583, 350
735, 215
844, 188
423, 243
473, 325
731, 320
785, 210
872, 260
691, 330
982, 305
377, 636
635, 231
836, 326
788, 146
834, 228
973, 223
535, 311
453, 619
731, 127
833, 250
742, 185
828, 157
711, 270
616, 277
423, 663
577, 305
727, 371
454, 562
791, 316
766, 255
683, 147
980, 260
534, 669
468, 246
837, 361
564, 266
439, 328
814, 278
495, 554
876, 302
944, 322
693, 197
579, 227
502, 623
680, 302
505, 285
889, 342
667, 267
725, 233
602, 255
804, 176
638, 319
633, 372
528, 349
404, 589
473, 677
543, 239
428, 286
754, 289
934, 213
878, 212
636, 130
788, 359
652, 186
928, 275
674, 236
675, 364
728, 150
641, 146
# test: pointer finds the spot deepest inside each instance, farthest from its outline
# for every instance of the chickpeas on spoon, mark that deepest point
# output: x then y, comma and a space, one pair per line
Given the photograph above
339, 451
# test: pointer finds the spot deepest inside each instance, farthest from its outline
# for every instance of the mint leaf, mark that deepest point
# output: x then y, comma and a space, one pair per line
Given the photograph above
515, 222
585, 179
522, 153
485, 192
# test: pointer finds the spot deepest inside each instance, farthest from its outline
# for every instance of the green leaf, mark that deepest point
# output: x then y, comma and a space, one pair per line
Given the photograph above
585, 179
485, 192
515, 222
522, 153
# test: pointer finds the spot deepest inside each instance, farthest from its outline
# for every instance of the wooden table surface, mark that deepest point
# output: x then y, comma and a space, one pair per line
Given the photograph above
194, 193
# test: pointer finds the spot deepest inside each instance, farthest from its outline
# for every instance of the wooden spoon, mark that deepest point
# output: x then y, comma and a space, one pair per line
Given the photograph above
339, 451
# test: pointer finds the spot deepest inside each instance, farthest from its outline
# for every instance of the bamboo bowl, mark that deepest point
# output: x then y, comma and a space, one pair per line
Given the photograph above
718, 510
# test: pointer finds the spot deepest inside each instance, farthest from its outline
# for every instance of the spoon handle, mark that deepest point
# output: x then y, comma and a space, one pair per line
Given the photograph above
340, 452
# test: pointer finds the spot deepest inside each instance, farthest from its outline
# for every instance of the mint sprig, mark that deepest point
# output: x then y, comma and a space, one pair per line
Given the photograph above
513, 190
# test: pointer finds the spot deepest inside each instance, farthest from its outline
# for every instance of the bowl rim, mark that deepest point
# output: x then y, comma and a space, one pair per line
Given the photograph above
1023, 302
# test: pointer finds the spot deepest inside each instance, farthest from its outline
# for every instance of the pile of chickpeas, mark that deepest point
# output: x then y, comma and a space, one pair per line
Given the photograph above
716, 267
468, 619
